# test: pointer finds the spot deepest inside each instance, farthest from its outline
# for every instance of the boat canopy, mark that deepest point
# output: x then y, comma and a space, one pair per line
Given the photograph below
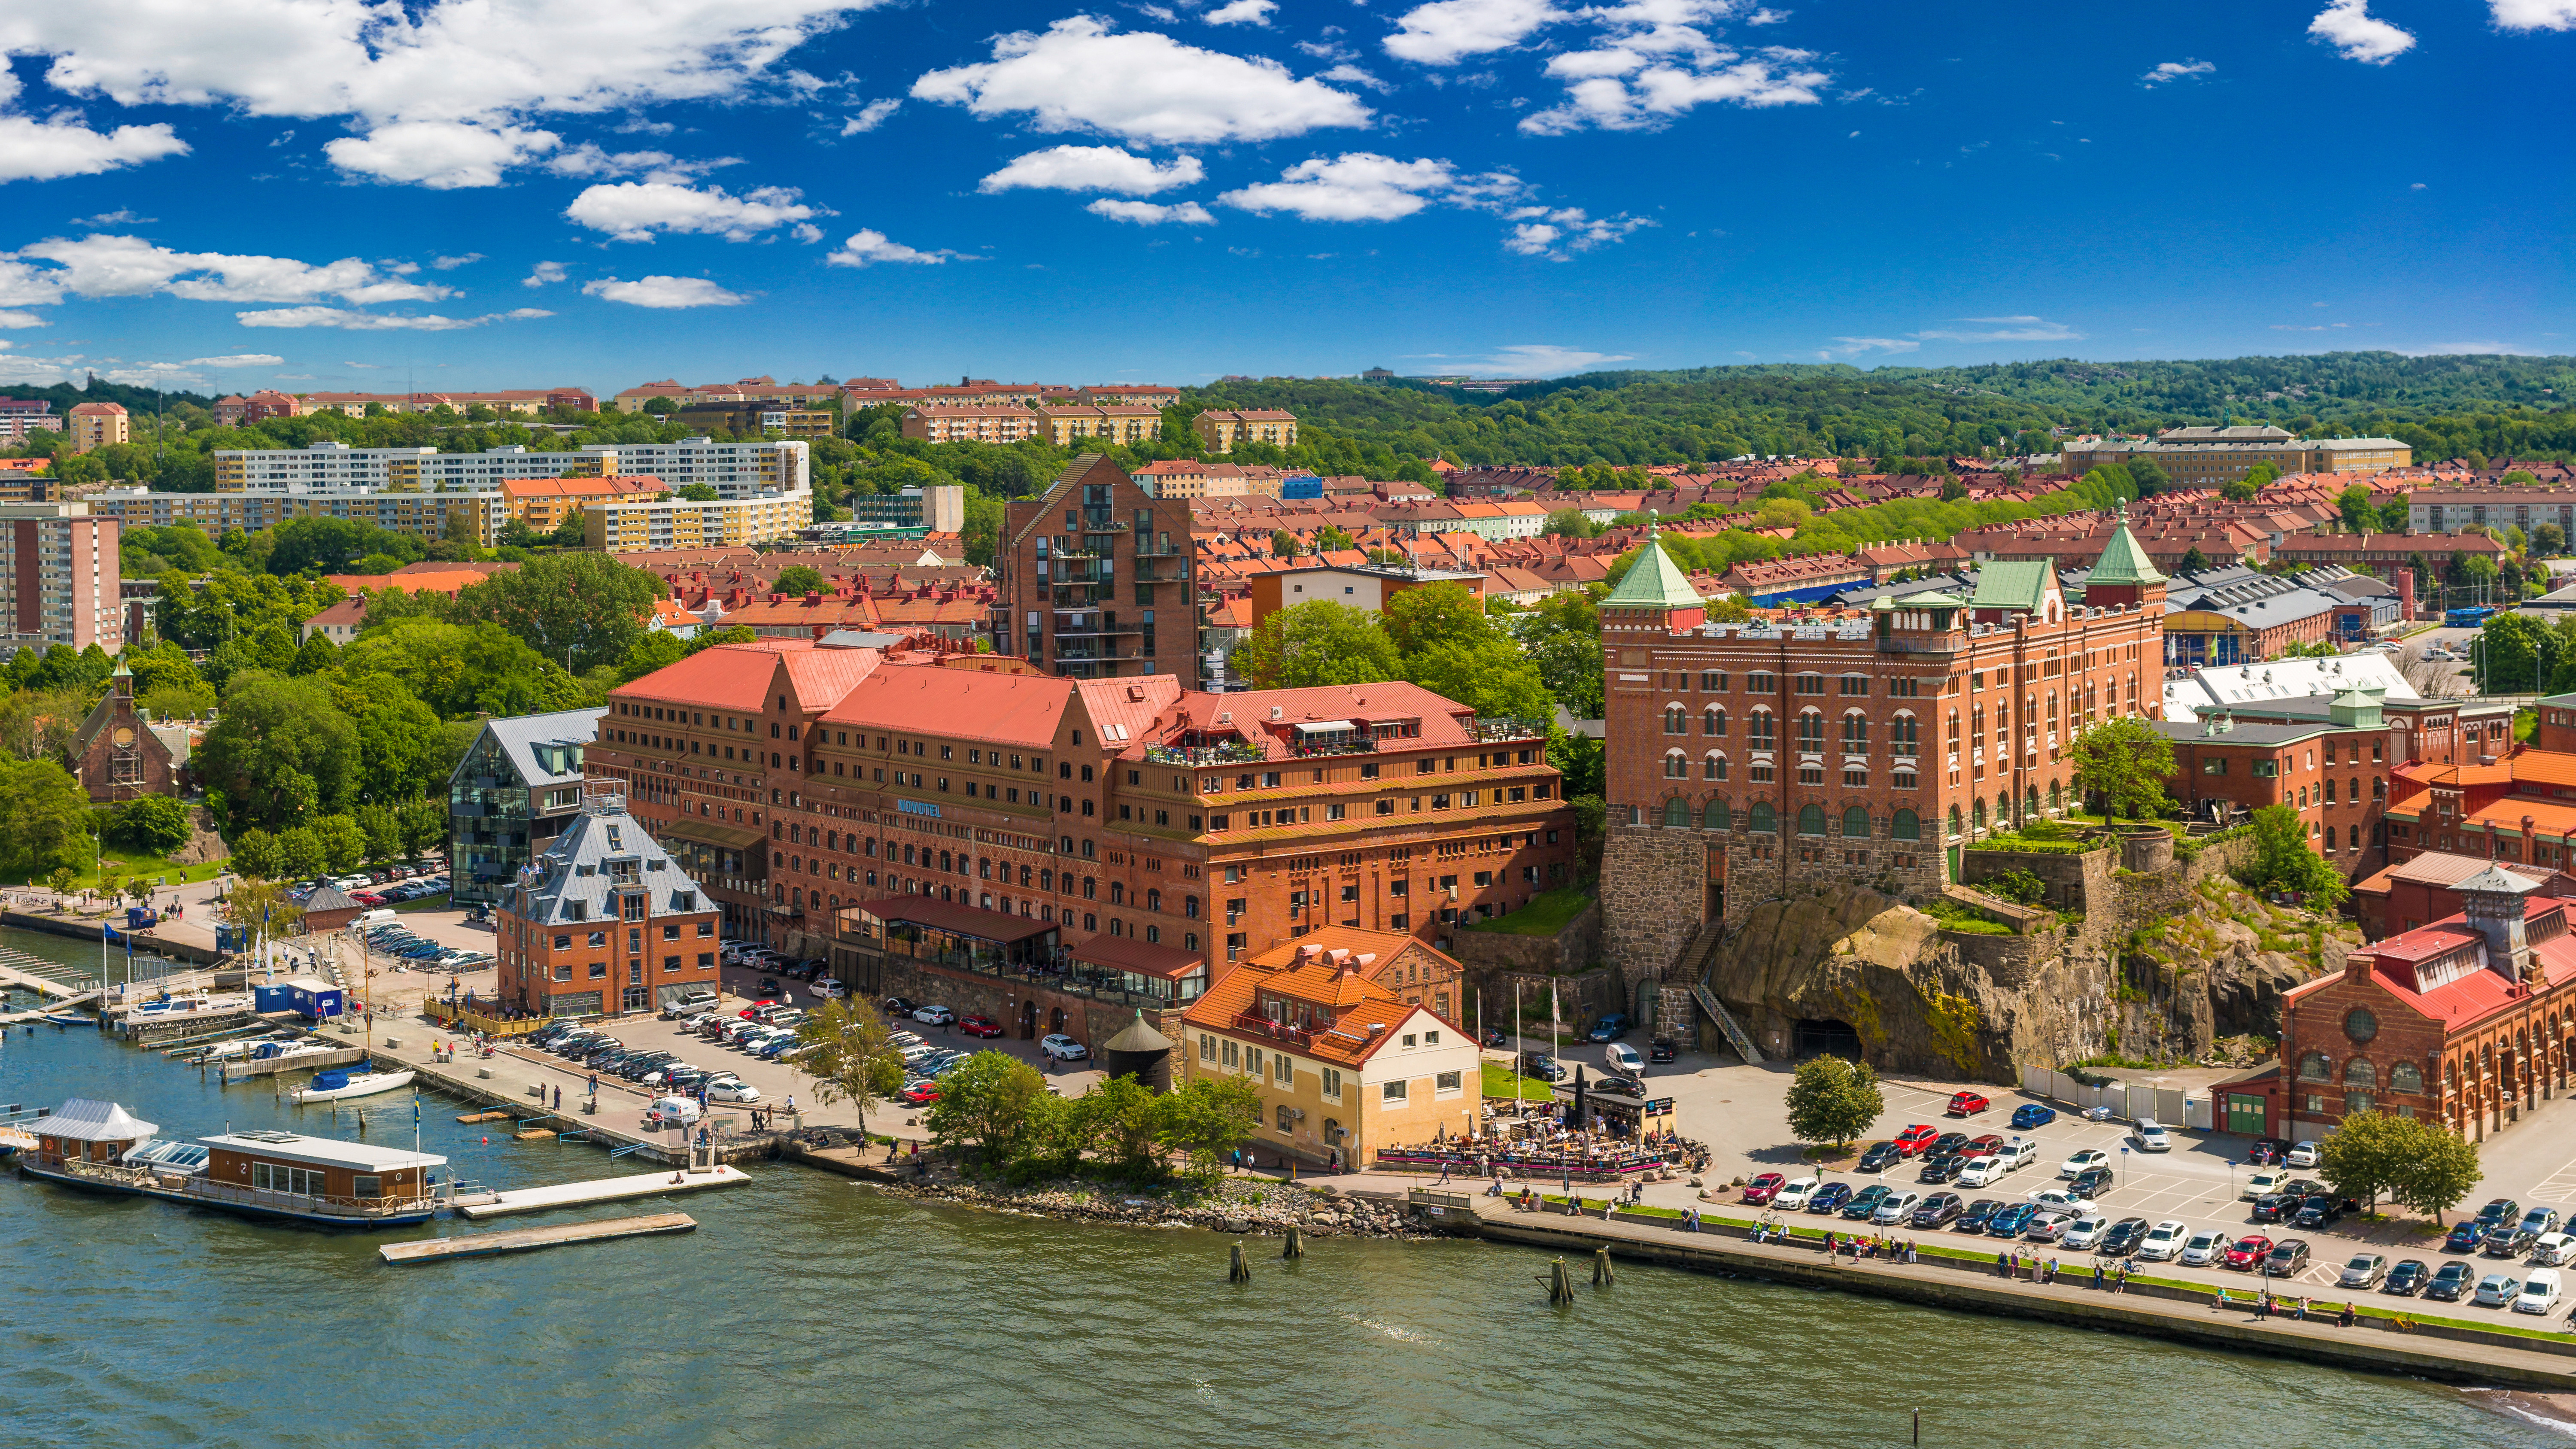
86, 1119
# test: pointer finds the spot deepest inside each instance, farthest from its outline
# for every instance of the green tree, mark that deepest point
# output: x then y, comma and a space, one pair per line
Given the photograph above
2283, 860
1316, 643
2194, 561
580, 609
281, 752
2548, 540
424, 827
1207, 1120
987, 1104
59, 880
2359, 514
382, 825
1570, 523
2509, 653
344, 845
1284, 544
700, 493
2440, 1168
2125, 761
1562, 636
798, 581
1125, 1122
1332, 539
300, 853
155, 824
853, 1057
1833, 1101
2366, 1155
255, 853
44, 819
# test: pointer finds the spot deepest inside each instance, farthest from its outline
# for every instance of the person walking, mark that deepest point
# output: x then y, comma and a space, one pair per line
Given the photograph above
558, 1098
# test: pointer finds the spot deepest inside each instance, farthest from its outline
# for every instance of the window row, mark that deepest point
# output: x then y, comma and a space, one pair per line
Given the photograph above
1763, 818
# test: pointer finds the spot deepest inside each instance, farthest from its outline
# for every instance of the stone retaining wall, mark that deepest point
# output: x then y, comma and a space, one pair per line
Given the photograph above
2073, 881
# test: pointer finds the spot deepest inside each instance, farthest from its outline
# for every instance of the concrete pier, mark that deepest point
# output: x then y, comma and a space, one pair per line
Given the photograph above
606, 1189
527, 1240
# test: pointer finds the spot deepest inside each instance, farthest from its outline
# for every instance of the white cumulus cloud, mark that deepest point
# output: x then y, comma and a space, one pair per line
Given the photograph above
635, 210
449, 264
1148, 213
1446, 32
343, 318
664, 292
392, 70
125, 266
870, 116
1242, 12
2533, 14
2174, 70
1652, 60
543, 274
1364, 186
1094, 168
2356, 34
12, 317
1557, 233
868, 247
237, 359
1077, 75
32, 150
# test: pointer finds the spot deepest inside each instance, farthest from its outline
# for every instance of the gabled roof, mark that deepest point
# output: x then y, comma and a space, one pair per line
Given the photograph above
575, 870
519, 738
1012, 709
2020, 585
738, 676
1654, 581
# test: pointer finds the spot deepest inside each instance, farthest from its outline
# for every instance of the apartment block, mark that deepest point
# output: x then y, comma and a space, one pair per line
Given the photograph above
20, 416
1220, 431
1095, 579
2207, 457
1064, 423
482, 514
659, 521
58, 576
604, 921
521, 402
94, 425
518, 786
542, 503
972, 423
735, 469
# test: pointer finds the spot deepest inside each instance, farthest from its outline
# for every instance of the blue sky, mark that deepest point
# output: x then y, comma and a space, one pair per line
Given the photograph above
331, 194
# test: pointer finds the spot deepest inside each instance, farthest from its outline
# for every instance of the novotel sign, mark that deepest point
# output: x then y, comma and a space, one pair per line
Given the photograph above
916, 807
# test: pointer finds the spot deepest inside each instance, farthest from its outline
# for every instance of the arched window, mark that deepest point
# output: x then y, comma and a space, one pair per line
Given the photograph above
1981, 815
1676, 765
2054, 799
1717, 816
2406, 1077
1855, 733
1811, 732
1675, 721
1713, 767
1902, 733
2361, 1074
1757, 730
1954, 729
1954, 820
1906, 826
1712, 681
1856, 823
1811, 819
1765, 820
2052, 709
2031, 801
1713, 721
2315, 1067
1677, 812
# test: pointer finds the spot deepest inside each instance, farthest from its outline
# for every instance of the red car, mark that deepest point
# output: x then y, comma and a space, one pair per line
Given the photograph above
1915, 1138
2247, 1252
1968, 1104
922, 1094
1983, 1146
984, 1026
367, 898
755, 1006
1764, 1188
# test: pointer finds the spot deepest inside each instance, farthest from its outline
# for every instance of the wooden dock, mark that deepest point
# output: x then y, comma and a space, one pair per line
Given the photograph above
528, 1240
239, 1071
606, 1189
13, 974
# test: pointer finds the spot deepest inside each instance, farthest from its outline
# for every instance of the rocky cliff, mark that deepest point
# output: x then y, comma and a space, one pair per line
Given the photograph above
2160, 967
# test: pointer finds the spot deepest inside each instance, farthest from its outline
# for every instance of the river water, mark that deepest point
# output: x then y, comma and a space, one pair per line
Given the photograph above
808, 1310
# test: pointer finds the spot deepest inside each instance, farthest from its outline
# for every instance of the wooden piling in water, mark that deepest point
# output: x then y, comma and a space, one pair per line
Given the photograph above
1237, 1270
1296, 1244
1603, 1275
1560, 1283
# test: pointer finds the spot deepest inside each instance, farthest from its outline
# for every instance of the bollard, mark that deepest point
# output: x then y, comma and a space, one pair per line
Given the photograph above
1603, 1275
1296, 1244
1236, 1269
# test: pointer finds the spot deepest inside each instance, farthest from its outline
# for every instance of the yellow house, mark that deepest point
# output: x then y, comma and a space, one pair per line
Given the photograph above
1219, 431
1342, 1065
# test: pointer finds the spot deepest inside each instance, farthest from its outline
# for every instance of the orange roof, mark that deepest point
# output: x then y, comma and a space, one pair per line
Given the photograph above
2506, 817
420, 583
2544, 767
1011, 709
1353, 1016
741, 676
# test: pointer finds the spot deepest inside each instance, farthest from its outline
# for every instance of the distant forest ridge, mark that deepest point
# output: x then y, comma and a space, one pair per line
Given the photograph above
64, 395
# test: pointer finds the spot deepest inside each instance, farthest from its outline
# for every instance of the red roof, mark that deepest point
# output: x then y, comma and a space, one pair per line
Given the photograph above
1011, 709
740, 676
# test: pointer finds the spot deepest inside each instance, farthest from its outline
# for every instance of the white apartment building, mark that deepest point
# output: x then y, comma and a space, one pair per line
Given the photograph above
735, 469
58, 577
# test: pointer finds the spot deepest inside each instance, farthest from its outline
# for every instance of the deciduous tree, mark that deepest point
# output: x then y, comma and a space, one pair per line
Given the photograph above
1317, 643
853, 1058
2126, 762
1833, 1101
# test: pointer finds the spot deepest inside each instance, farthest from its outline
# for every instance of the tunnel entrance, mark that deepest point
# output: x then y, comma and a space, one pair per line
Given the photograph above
1819, 1038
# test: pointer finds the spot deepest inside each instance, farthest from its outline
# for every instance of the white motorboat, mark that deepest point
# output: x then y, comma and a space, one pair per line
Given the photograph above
234, 1050
335, 1084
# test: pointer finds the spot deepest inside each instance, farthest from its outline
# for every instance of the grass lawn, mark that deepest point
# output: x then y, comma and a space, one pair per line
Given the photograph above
128, 864
425, 903
1499, 1080
1545, 915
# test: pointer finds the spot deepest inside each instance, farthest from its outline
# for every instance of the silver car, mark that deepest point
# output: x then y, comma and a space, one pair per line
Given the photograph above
2364, 1271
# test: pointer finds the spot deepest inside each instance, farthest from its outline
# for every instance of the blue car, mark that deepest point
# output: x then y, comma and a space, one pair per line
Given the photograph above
1829, 1197
2032, 1115
2010, 1222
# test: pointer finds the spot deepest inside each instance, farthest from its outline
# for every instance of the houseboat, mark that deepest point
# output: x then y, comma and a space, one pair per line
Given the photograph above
282, 1175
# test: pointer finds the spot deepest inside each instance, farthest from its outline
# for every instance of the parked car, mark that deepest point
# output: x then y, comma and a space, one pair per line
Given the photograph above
1063, 1048
2048, 1226
1658, 1051
2059, 1200
2499, 1210
1866, 1201
1984, 1146
2031, 1114
1895, 1208
2495, 1290
1829, 1197
1790, 1197
2364, 1271
1619, 1086
2090, 1184
1609, 1028
671, 1112
2164, 1240
2246, 1252
2086, 1231
2009, 1222
2261, 1185
1916, 1138
1946, 1142
2509, 1242
736, 1091
2552, 1250
1981, 1172
1968, 1104
1764, 1187
2152, 1138
1975, 1216
1941, 1167
2539, 1292
1938, 1209
2302, 1154
977, 1025
2449, 1282
898, 1006
2540, 1220
921, 1093
933, 1015
2084, 1161
1622, 1058
2267, 1150
1542, 1067
2407, 1277
2203, 1250
2287, 1258
2275, 1207
1880, 1157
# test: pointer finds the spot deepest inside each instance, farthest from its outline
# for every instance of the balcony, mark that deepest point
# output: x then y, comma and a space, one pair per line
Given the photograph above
1492, 731
1355, 744
1101, 523
1253, 1025
1168, 550
1198, 755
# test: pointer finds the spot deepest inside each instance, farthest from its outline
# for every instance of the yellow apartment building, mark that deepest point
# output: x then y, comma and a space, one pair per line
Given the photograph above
667, 521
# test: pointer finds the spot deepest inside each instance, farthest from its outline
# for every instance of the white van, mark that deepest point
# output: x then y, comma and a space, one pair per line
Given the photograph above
671, 1112
1622, 1058
2539, 1292
369, 918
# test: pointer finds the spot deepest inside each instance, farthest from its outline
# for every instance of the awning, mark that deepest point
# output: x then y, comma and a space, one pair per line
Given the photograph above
1327, 726
86, 1119
957, 919
1141, 958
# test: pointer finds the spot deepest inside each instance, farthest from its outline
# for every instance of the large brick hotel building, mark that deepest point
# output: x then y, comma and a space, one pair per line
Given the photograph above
1746, 760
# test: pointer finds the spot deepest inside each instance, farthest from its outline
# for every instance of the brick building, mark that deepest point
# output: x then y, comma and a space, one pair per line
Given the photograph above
2485, 798
1095, 579
121, 756
2415, 892
2468, 1021
604, 920
1745, 760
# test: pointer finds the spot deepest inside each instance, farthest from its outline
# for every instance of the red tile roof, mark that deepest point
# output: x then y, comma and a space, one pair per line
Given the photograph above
741, 676
1010, 709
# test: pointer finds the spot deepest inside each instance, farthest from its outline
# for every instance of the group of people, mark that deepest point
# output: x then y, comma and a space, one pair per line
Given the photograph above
1877, 1245
2265, 1305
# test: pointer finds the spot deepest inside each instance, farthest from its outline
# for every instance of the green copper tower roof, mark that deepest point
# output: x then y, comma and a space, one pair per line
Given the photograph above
2122, 561
1654, 581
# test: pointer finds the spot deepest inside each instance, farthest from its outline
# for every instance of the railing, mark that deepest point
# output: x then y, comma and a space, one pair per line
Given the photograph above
1354, 745
1197, 755
1275, 1030
458, 1018
1487, 731
201, 1187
